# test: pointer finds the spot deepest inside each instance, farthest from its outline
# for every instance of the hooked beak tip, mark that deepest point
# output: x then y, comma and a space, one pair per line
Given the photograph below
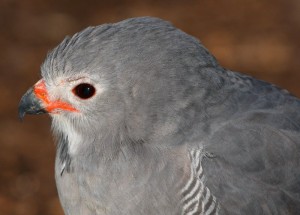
21, 115
30, 104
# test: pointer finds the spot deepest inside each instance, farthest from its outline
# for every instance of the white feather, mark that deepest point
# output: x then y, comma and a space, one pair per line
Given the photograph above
66, 127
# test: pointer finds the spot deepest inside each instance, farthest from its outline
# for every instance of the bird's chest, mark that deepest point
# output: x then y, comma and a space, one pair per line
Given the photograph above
81, 191
119, 188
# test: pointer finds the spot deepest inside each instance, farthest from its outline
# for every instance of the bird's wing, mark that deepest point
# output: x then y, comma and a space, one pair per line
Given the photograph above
255, 167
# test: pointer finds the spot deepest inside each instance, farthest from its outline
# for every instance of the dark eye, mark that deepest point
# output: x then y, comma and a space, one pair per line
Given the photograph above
84, 91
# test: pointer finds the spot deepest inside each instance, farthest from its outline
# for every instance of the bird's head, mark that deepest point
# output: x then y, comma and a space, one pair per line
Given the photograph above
128, 80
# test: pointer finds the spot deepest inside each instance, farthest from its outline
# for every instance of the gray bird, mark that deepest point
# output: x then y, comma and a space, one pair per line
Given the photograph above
148, 122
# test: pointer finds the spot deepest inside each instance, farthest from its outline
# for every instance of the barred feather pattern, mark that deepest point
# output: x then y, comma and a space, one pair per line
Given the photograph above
196, 197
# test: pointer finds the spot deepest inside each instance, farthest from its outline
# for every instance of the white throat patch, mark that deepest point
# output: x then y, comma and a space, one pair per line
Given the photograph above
64, 126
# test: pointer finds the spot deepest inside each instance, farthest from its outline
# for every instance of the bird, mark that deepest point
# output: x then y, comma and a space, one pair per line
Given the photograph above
146, 121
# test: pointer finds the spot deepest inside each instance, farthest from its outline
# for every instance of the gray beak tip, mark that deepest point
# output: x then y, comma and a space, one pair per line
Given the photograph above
29, 104
21, 112
21, 115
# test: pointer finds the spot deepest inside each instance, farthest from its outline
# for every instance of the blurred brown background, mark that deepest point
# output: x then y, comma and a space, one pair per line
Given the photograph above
258, 37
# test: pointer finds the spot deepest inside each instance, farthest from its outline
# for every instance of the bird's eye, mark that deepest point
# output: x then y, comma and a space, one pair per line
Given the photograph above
84, 90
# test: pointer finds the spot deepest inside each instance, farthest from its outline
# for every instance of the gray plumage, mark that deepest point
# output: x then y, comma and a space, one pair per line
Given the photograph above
168, 131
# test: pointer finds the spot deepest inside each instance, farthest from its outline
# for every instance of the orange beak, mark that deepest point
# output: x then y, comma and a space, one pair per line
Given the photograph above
36, 101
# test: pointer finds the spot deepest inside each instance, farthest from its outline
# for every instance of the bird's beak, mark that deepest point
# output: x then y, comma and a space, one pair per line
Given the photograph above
36, 101
30, 104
